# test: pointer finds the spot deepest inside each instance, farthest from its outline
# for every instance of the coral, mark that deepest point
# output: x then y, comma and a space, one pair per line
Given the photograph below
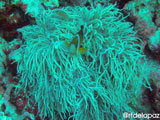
12, 17
154, 44
2, 4
154, 41
100, 84
3, 44
35, 7
146, 17
50, 3
79, 2
8, 111
142, 11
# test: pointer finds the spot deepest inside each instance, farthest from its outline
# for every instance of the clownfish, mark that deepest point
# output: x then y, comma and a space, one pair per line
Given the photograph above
75, 45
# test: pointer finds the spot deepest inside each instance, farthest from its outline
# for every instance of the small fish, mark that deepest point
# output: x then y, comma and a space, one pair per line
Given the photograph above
62, 14
77, 41
80, 33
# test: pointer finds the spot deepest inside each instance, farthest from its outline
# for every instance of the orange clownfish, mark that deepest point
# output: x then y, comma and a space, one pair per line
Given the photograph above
77, 41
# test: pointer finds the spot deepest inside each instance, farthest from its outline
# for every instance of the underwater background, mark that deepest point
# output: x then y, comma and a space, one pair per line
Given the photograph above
79, 59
